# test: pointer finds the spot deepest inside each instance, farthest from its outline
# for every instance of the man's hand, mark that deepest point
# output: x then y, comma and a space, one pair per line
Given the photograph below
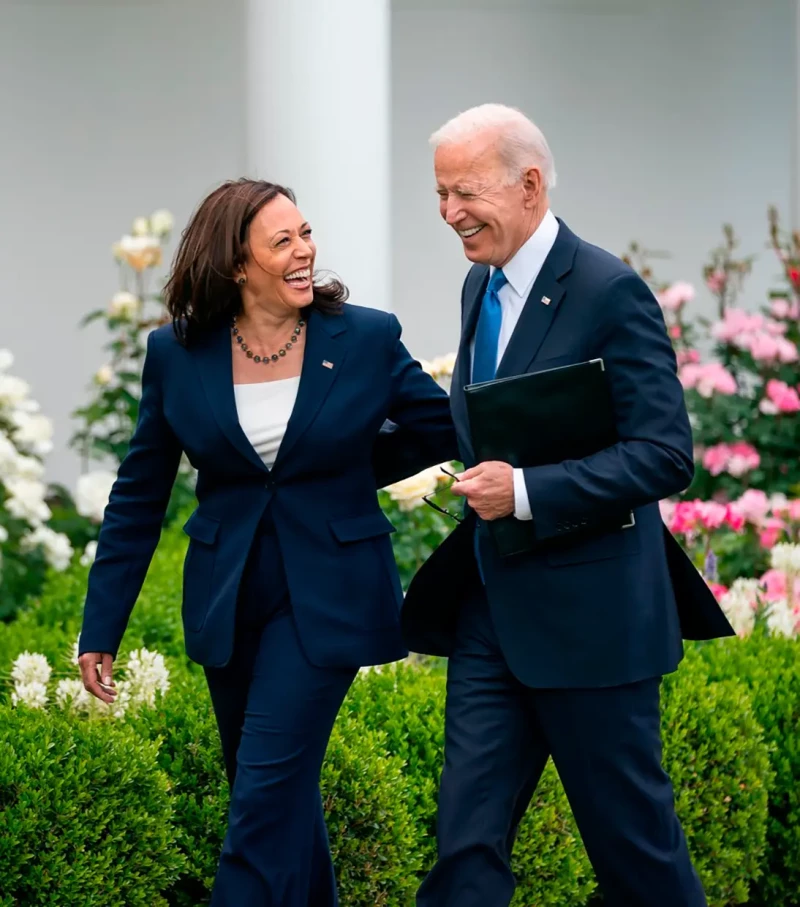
488, 488
96, 671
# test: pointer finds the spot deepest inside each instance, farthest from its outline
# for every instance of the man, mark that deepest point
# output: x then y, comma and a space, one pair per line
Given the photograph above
560, 651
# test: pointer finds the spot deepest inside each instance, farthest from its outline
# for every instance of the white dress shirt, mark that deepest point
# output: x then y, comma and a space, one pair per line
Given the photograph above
521, 272
264, 409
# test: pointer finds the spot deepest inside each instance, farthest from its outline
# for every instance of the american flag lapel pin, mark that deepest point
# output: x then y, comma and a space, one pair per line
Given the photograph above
327, 364
546, 300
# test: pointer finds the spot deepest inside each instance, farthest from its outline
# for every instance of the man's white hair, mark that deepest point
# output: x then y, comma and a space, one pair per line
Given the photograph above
521, 143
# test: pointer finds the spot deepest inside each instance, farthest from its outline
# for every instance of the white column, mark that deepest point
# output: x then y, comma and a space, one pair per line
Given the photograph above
318, 95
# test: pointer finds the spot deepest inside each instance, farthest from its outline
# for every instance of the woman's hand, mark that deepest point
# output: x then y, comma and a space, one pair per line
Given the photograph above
96, 671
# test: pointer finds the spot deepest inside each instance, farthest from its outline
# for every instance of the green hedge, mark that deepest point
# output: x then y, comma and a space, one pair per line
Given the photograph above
379, 788
770, 666
365, 792
715, 754
50, 623
407, 703
85, 814
381, 776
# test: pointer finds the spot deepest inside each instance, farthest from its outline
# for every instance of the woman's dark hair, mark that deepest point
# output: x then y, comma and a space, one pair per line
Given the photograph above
201, 291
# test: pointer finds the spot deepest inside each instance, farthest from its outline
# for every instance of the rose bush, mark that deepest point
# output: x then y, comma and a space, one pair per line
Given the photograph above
31, 536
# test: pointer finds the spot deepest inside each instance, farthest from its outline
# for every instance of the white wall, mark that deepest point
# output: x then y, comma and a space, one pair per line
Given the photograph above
666, 119
107, 110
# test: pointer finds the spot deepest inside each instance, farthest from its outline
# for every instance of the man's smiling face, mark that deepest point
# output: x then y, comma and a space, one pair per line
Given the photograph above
492, 217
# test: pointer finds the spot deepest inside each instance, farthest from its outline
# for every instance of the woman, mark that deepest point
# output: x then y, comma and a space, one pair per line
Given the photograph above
277, 392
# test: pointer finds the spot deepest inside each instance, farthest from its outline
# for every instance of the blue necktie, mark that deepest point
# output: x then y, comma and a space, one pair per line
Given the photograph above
487, 333
484, 362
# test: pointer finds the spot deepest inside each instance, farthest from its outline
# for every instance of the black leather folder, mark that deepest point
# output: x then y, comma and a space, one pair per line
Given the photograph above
540, 419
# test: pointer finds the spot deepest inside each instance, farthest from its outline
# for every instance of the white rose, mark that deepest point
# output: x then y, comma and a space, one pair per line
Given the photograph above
89, 553
139, 252
71, 693
104, 375
161, 222
147, 675
28, 406
3, 534
778, 502
92, 492
56, 546
26, 500
13, 390
30, 667
124, 305
8, 457
33, 695
443, 365
33, 432
740, 604
409, 492
141, 227
29, 468
6, 360
781, 620
786, 558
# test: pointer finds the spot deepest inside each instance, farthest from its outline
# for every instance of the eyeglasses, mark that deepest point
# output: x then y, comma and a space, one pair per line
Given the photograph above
436, 507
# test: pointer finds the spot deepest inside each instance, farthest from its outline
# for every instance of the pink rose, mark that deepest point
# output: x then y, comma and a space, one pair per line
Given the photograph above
776, 586
718, 589
785, 309
793, 511
753, 505
776, 328
715, 459
780, 308
787, 351
763, 348
742, 458
716, 281
736, 459
675, 331
684, 517
710, 514
675, 297
717, 378
784, 399
772, 529
686, 356
774, 582
734, 519
779, 504
708, 379
735, 323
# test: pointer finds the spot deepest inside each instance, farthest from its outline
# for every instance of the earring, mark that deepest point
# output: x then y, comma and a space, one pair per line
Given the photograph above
242, 281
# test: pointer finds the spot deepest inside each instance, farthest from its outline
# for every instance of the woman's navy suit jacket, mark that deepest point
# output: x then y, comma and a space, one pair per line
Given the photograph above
335, 540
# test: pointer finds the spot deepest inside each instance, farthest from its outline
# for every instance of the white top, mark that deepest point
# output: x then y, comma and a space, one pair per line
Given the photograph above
264, 410
521, 272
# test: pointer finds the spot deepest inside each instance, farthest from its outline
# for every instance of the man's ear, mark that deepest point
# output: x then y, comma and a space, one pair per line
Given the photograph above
532, 185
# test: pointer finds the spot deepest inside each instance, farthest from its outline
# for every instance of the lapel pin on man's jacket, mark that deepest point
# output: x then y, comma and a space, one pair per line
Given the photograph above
546, 300
327, 364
